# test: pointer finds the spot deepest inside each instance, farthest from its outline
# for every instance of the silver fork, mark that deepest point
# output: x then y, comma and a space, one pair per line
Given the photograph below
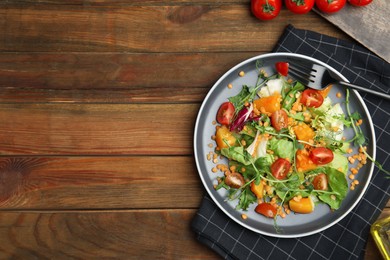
319, 77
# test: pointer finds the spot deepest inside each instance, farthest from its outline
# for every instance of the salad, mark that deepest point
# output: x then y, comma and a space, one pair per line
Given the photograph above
285, 147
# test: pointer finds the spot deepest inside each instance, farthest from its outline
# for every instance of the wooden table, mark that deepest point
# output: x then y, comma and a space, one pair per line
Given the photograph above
98, 101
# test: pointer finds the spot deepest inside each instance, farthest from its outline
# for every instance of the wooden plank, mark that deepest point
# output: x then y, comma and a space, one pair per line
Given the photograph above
99, 182
112, 77
115, 2
97, 129
136, 234
181, 28
369, 25
139, 234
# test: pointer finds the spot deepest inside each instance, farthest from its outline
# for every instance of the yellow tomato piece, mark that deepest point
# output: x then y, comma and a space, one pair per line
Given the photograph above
268, 104
257, 189
302, 205
224, 137
303, 161
304, 132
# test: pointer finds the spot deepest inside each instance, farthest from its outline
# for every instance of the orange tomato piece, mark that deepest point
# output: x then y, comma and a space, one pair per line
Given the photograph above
303, 205
257, 189
224, 137
304, 132
268, 104
303, 161
324, 92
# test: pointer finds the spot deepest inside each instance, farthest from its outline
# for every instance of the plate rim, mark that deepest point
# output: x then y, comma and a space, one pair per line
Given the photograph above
196, 129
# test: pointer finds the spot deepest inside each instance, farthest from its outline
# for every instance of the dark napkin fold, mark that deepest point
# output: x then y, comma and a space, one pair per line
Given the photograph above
346, 239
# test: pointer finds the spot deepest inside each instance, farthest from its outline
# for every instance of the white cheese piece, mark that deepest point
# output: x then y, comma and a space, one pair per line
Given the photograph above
271, 87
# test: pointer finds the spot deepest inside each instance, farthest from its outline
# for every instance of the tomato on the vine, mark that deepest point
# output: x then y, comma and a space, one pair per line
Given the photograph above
299, 6
359, 2
330, 6
266, 209
225, 113
266, 9
321, 155
312, 98
282, 68
280, 168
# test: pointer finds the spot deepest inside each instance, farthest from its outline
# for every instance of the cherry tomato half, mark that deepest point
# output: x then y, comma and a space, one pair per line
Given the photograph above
320, 182
266, 209
282, 68
312, 98
280, 168
321, 155
359, 2
266, 9
330, 6
279, 119
225, 113
299, 6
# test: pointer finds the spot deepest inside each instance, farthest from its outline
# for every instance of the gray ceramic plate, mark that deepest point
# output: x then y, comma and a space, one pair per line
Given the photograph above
294, 225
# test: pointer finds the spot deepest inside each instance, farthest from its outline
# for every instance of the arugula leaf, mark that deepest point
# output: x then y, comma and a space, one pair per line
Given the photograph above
222, 184
355, 116
246, 94
338, 186
238, 154
246, 198
249, 172
289, 99
360, 139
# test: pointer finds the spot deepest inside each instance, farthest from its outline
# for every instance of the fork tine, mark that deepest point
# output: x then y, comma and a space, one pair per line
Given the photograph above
301, 67
301, 72
304, 80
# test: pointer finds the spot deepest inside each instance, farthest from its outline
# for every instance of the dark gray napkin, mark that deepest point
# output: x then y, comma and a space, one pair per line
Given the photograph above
346, 239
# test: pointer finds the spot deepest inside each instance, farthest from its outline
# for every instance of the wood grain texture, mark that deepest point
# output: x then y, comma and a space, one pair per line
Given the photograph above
184, 28
97, 129
369, 25
140, 234
112, 77
135, 234
98, 100
56, 183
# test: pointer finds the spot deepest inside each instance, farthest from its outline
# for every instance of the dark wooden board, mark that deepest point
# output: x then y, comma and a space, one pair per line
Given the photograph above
369, 25
127, 182
180, 28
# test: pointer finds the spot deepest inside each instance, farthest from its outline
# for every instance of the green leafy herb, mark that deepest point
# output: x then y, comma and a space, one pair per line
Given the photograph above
245, 199
290, 98
238, 154
338, 187
246, 94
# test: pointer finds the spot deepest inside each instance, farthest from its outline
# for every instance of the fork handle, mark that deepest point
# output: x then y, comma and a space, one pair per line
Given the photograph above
377, 93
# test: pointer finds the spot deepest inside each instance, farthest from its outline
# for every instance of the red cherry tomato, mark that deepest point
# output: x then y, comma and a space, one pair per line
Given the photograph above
299, 6
266, 9
320, 182
330, 6
312, 98
266, 209
321, 155
359, 2
279, 119
280, 168
225, 113
282, 68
